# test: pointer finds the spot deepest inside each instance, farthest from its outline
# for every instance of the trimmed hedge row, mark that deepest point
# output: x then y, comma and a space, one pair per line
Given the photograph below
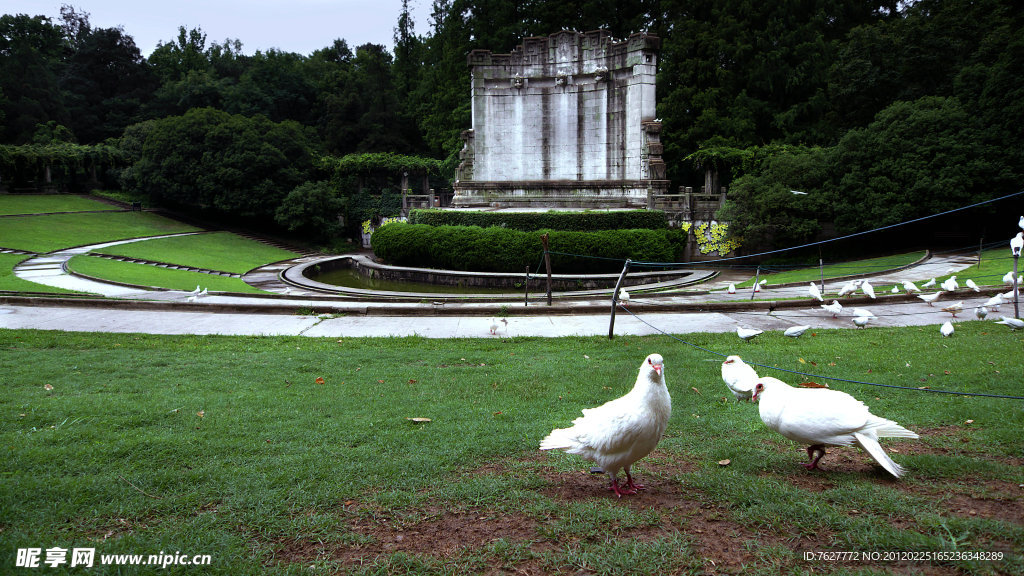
533, 221
495, 249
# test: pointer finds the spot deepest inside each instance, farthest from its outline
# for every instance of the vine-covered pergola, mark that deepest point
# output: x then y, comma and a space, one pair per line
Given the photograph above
41, 166
384, 167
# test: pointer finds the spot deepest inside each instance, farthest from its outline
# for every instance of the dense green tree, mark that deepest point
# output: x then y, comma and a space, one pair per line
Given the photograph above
229, 164
31, 49
313, 210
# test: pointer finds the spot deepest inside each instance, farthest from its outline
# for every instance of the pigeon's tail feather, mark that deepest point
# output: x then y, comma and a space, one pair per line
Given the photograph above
890, 429
872, 447
559, 439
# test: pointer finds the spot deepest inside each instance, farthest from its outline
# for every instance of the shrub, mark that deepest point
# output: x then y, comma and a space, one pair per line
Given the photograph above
496, 249
553, 220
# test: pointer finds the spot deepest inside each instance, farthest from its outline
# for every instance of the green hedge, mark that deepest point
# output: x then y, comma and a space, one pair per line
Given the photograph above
496, 249
533, 221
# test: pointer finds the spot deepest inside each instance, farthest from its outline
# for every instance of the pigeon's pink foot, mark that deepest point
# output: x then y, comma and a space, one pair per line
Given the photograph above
620, 490
632, 485
812, 461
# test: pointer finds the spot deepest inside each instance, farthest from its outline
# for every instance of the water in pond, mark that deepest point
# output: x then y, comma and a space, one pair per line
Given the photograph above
350, 278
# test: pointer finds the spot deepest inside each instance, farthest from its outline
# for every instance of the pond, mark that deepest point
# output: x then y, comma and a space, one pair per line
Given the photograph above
352, 278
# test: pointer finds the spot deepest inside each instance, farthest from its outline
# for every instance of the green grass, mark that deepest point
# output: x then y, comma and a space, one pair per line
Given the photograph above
56, 231
154, 276
867, 266
228, 446
41, 204
994, 264
10, 282
222, 251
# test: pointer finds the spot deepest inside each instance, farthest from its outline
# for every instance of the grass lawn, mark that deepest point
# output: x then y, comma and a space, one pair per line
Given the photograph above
10, 282
994, 264
231, 446
153, 276
222, 251
43, 203
56, 231
867, 266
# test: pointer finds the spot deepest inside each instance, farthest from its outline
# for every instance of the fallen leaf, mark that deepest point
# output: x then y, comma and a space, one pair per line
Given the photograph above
725, 462
412, 380
813, 385
969, 422
498, 413
947, 372
924, 387
801, 360
319, 380
419, 419
47, 387
587, 357
380, 381
694, 388
201, 414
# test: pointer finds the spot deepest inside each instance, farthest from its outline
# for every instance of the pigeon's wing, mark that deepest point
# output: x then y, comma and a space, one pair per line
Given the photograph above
819, 416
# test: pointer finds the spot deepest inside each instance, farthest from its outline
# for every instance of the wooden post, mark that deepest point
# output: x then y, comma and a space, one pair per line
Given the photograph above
980, 244
526, 288
821, 268
757, 277
615, 300
1016, 288
547, 264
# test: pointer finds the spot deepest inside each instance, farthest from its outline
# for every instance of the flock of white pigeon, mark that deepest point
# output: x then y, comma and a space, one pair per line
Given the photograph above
622, 431
861, 316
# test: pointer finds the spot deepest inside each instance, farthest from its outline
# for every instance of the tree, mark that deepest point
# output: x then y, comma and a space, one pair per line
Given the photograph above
31, 49
312, 209
227, 164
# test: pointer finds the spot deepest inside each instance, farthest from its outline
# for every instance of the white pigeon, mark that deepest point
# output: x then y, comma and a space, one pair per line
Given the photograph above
204, 292
1013, 323
196, 291
848, 288
1017, 243
795, 331
1008, 278
861, 321
970, 284
835, 308
621, 431
929, 284
895, 289
868, 289
909, 287
863, 312
815, 292
623, 295
747, 334
820, 417
732, 289
739, 377
994, 302
954, 308
950, 284
946, 329
930, 298
496, 323
981, 312
1021, 223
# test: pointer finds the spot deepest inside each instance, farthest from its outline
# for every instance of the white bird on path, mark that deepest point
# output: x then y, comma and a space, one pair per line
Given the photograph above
994, 302
981, 312
1008, 278
954, 308
739, 377
970, 284
747, 334
1013, 323
815, 292
732, 289
623, 295
495, 324
946, 329
930, 298
848, 288
196, 291
910, 287
795, 331
896, 289
621, 431
868, 289
950, 284
835, 308
863, 312
861, 321
820, 417
1017, 243
203, 293
929, 284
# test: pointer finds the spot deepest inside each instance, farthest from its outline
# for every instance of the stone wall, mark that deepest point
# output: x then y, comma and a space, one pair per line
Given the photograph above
568, 118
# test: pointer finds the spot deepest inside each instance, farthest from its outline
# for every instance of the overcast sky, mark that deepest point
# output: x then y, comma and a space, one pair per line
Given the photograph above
300, 26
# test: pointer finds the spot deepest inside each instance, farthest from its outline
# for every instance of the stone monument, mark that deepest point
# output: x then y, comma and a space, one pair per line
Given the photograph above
564, 121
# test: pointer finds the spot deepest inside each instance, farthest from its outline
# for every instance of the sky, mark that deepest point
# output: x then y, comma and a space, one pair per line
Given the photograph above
300, 26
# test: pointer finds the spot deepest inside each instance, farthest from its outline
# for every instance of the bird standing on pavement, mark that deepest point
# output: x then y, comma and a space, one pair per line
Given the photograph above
621, 431
868, 289
954, 308
970, 284
910, 287
732, 289
950, 284
496, 323
929, 284
861, 321
819, 417
994, 302
930, 298
815, 292
981, 312
835, 308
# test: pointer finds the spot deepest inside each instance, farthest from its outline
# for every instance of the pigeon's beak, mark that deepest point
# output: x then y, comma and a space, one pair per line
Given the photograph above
658, 368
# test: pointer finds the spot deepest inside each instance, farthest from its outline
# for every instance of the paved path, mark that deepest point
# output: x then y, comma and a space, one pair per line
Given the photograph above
169, 312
